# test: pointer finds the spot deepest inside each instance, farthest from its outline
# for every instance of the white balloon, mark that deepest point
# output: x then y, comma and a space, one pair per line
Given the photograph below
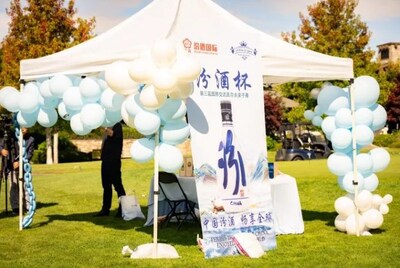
11, 100
45, 89
343, 118
73, 99
364, 163
64, 112
128, 119
314, 93
371, 182
28, 102
377, 200
366, 91
164, 53
364, 200
151, 99
142, 150
147, 122
340, 223
363, 135
384, 209
341, 138
344, 206
133, 105
186, 69
170, 157
328, 126
348, 179
118, 79
141, 70
59, 84
182, 91
164, 80
379, 117
373, 218
4, 92
364, 116
92, 115
351, 225
77, 125
387, 199
90, 89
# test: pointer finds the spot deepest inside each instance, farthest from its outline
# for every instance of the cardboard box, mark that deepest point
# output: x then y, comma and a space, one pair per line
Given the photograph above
187, 167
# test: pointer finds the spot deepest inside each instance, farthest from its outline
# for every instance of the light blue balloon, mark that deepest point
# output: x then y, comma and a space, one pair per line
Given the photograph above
363, 135
47, 117
170, 158
73, 99
111, 118
380, 159
340, 182
339, 163
364, 163
174, 132
92, 115
327, 96
59, 84
343, 118
142, 150
371, 182
27, 119
365, 91
111, 100
338, 103
364, 116
77, 126
308, 114
318, 111
379, 117
328, 125
90, 89
347, 150
348, 181
317, 121
147, 122
49, 102
172, 109
341, 138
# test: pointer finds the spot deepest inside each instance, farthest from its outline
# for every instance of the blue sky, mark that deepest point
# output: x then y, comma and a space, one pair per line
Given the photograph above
270, 16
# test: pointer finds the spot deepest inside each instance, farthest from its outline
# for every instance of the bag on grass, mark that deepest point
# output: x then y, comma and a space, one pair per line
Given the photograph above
248, 245
130, 207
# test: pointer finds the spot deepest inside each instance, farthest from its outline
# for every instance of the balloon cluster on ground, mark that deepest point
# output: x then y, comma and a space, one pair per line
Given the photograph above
147, 94
342, 124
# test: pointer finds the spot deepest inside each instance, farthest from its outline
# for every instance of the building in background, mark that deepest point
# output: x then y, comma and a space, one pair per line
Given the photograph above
388, 52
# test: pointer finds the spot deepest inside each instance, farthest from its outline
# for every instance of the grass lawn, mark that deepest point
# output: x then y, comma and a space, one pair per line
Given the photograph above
64, 232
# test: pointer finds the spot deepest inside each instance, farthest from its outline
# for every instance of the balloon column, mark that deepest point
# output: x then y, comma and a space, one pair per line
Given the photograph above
350, 125
147, 94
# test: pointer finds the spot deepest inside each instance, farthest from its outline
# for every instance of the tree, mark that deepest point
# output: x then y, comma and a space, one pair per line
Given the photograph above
273, 113
393, 107
40, 28
332, 28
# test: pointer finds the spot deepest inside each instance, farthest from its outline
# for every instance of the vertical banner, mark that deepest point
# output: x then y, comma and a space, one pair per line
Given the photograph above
226, 116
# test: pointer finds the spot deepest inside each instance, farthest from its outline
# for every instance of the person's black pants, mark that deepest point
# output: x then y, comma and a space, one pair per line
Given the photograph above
111, 175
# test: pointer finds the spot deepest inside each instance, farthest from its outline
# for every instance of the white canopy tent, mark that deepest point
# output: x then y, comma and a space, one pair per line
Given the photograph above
177, 19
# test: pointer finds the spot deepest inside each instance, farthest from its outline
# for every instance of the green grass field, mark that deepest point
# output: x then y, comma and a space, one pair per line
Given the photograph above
64, 232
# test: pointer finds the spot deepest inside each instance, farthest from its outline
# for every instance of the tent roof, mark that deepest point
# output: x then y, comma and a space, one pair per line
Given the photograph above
281, 62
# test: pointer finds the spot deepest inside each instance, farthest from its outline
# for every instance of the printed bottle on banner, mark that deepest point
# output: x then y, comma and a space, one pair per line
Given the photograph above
231, 174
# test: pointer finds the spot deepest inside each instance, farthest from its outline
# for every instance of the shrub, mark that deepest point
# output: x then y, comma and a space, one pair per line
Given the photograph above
271, 143
388, 140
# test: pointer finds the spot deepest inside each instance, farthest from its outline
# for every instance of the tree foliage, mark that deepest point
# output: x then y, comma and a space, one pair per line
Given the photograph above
40, 28
393, 107
332, 27
273, 113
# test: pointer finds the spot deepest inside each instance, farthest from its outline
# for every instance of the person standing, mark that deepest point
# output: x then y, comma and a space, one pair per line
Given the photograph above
111, 151
11, 153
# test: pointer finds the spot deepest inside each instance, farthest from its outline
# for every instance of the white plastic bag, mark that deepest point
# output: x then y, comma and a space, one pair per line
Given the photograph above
130, 207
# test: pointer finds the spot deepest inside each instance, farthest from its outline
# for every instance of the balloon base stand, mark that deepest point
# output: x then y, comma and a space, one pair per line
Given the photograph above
151, 251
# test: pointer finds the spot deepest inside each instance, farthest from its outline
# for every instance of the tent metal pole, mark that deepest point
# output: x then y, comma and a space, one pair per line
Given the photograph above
354, 145
156, 192
20, 170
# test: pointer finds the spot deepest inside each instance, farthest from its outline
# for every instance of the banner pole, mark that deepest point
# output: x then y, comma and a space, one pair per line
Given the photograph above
156, 192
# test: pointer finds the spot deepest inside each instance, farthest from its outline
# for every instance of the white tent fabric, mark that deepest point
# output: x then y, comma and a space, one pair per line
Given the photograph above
176, 19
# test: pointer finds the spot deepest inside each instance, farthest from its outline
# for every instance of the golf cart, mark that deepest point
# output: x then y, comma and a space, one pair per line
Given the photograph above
300, 143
